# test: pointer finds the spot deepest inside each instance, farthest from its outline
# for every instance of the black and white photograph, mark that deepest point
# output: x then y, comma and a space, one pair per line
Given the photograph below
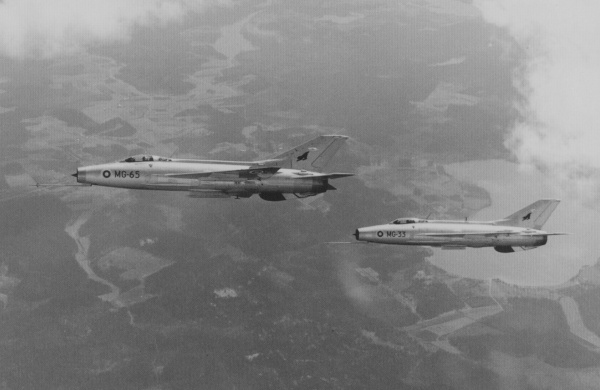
299, 194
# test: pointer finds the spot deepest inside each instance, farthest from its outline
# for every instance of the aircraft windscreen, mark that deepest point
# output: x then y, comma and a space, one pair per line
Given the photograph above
145, 157
401, 221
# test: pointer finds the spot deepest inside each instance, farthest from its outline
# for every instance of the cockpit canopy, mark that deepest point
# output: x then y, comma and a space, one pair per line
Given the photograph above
402, 221
145, 157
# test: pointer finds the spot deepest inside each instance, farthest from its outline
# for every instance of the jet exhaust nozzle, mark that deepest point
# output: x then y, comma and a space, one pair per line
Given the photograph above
356, 234
75, 175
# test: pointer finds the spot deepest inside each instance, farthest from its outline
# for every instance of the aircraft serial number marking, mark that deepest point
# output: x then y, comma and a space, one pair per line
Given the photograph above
130, 174
396, 234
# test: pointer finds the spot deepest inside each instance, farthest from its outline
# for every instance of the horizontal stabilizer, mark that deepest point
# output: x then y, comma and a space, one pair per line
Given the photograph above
325, 175
338, 175
546, 234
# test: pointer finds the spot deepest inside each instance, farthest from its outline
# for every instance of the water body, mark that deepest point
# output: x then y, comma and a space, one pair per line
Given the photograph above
83, 244
512, 189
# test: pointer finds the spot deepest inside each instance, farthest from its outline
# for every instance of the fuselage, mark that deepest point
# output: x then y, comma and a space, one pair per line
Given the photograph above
452, 234
170, 174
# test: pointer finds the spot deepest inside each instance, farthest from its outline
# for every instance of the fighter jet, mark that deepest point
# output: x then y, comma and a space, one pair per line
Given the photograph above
296, 173
518, 231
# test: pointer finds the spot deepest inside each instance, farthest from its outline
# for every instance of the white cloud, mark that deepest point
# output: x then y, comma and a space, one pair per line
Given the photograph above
561, 83
48, 28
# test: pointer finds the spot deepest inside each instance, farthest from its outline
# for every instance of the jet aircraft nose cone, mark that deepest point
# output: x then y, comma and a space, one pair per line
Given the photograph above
356, 234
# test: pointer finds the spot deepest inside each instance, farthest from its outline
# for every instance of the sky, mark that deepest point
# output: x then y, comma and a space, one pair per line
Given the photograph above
52, 28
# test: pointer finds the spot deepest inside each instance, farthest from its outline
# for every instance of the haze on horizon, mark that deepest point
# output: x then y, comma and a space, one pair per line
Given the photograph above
31, 29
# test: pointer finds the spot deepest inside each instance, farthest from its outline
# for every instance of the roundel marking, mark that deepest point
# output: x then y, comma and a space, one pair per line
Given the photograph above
380, 234
106, 174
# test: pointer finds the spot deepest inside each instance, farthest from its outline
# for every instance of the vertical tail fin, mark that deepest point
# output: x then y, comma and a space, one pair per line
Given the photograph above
313, 155
533, 216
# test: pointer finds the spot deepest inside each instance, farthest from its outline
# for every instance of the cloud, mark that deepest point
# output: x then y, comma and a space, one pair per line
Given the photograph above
49, 28
560, 132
